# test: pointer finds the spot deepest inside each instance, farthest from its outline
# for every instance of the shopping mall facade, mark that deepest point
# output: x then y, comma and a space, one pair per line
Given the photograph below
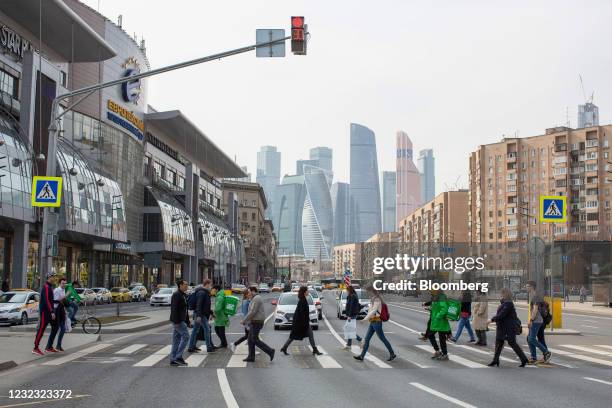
141, 199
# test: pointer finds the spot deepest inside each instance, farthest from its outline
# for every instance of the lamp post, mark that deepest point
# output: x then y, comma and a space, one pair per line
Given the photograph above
116, 201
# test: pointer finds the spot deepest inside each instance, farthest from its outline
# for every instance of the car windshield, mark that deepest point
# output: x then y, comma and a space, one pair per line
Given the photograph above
165, 291
132, 287
361, 294
80, 290
116, 290
135, 289
314, 294
292, 299
96, 289
13, 297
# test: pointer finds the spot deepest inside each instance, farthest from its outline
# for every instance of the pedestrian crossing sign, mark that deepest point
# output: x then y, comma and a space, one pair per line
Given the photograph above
553, 208
46, 191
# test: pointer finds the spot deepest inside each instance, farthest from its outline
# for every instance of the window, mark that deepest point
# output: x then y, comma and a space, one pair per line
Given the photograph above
254, 203
591, 155
244, 215
253, 216
181, 182
9, 84
63, 79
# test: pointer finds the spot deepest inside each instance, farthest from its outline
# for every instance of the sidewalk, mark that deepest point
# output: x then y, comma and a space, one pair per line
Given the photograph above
578, 308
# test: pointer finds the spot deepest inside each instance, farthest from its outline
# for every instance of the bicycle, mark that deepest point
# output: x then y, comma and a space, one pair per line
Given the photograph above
90, 323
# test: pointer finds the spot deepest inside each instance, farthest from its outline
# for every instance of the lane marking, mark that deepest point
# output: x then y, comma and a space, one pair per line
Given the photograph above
454, 358
586, 349
230, 401
130, 349
441, 395
581, 357
195, 360
598, 380
604, 346
326, 360
77, 354
463, 346
404, 327
590, 327
408, 308
156, 357
355, 349
268, 318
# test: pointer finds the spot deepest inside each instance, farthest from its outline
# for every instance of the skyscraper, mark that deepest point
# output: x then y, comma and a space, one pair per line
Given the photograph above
340, 205
268, 174
323, 155
426, 164
287, 218
364, 187
388, 204
408, 178
299, 165
317, 216
588, 115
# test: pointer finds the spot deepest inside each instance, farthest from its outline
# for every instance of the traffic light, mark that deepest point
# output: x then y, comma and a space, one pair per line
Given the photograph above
298, 35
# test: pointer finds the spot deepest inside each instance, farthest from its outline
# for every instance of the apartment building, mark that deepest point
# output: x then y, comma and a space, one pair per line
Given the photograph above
507, 179
348, 256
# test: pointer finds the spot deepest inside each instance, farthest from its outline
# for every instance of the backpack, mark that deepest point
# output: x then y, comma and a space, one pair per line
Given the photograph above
192, 301
384, 313
544, 310
454, 309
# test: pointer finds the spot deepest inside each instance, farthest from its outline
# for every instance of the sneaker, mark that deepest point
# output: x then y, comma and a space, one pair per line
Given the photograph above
59, 349
358, 358
192, 350
50, 350
233, 347
272, 354
443, 357
452, 339
345, 348
249, 360
472, 341
547, 356
197, 349
392, 357
174, 363
36, 350
436, 355
181, 361
532, 361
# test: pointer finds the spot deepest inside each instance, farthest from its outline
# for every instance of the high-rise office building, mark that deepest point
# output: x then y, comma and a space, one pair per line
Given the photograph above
588, 115
287, 215
388, 201
299, 165
317, 216
340, 205
408, 178
323, 155
268, 174
364, 187
426, 165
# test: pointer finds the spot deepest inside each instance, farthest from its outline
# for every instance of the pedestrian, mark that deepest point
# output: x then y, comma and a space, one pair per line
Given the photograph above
508, 326
425, 335
464, 320
583, 294
244, 308
481, 313
538, 310
376, 325
351, 310
5, 285
256, 318
201, 317
46, 315
73, 299
300, 326
179, 316
59, 301
439, 324
221, 318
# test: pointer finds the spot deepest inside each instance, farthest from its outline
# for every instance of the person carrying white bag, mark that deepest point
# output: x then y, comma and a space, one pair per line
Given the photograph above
351, 311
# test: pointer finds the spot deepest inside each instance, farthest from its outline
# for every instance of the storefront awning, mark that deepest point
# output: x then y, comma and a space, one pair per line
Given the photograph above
62, 29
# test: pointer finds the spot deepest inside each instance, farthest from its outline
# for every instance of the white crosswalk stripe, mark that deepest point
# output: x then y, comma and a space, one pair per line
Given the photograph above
475, 350
377, 361
194, 360
155, 358
581, 357
604, 346
455, 358
586, 349
131, 349
326, 360
77, 354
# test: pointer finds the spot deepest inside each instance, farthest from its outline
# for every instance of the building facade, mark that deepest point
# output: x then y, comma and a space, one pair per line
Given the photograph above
388, 201
408, 178
348, 257
588, 115
268, 174
290, 198
427, 169
317, 215
340, 205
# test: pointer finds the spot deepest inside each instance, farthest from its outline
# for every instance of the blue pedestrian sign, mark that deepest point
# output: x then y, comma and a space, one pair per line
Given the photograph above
553, 208
46, 191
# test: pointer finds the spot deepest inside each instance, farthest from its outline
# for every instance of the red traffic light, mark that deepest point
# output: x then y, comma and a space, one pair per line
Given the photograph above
297, 22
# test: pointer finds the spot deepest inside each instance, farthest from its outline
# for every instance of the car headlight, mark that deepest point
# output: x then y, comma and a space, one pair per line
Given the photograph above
280, 312
313, 312
14, 310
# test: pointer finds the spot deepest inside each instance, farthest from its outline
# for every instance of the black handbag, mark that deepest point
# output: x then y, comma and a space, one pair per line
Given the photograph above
518, 327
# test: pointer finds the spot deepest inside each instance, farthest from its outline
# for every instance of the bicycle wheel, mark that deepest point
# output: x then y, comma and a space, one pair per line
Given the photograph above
91, 325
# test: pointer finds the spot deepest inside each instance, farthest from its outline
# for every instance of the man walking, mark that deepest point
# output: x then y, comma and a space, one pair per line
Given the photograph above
73, 300
179, 317
46, 314
201, 316
59, 299
538, 312
255, 319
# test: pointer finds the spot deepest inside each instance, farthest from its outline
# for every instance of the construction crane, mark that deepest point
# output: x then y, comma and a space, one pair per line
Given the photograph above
584, 93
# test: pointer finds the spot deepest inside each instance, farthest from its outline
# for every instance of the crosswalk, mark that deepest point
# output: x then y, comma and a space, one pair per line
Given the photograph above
409, 356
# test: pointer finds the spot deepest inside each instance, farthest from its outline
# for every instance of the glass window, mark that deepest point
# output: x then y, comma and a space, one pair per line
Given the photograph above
9, 84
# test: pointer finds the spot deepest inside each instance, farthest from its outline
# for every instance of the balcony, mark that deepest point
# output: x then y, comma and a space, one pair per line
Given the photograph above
157, 181
561, 147
209, 208
511, 157
592, 143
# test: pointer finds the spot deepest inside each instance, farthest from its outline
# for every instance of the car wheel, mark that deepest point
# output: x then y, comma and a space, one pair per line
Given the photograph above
24, 319
276, 327
152, 305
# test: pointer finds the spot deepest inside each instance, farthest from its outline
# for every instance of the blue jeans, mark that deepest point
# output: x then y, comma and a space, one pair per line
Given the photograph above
376, 327
72, 311
193, 341
533, 341
349, 342
180, 338
464, 322
62, 330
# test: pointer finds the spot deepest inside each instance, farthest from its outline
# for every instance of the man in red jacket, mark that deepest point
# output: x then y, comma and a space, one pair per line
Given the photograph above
46, 313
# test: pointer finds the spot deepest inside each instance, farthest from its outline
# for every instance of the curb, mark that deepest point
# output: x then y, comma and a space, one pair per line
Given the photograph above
104, 330
7, 365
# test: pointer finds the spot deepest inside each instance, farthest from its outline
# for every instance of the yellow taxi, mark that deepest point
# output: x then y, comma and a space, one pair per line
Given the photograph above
19, 306
121, 295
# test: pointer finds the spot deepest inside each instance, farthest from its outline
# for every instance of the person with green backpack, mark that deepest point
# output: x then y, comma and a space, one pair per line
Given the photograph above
221, 318
439, 324
72, 300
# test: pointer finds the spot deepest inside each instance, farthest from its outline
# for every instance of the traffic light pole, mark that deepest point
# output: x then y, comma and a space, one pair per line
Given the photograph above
47, 228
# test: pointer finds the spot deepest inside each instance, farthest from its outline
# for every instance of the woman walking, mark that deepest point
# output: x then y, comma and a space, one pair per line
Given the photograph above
300, 327
376, 324
352, 311
439, 324
481, 311
464, 321
244, 308
507, 326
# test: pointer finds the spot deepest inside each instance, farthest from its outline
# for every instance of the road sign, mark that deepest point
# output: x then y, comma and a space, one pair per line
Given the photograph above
347, 277
553, 209
265, 36
46, 191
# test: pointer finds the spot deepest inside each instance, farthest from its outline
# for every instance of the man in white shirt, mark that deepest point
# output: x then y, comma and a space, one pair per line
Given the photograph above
59, 296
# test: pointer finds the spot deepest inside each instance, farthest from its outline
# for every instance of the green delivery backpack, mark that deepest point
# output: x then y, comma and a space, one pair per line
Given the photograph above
454, 309
231, 305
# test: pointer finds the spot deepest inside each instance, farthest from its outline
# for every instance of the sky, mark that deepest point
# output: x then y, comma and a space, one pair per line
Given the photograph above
452, 74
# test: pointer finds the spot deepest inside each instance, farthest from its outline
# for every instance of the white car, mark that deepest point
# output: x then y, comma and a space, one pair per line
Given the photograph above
264, 288
19, 306
285, 308
139, 293
163, 297
103, 295
88, 296
317, 298
364, 301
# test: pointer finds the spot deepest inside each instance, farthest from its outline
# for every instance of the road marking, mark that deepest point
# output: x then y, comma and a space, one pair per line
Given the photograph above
195, 360
77, 354
604, 346
598, 380
355, 349
581, 357
230, 401
441, 395
590, 327
155, 357
408, 308
130, 349
326, 360
23, 404
268, 318
404, 327
587, 349
463, 346
454, 358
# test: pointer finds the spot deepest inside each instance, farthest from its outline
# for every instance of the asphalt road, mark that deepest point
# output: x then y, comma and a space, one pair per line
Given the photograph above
107, 373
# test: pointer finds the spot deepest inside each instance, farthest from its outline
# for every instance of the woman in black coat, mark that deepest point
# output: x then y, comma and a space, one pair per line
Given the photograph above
507, 324
300, 327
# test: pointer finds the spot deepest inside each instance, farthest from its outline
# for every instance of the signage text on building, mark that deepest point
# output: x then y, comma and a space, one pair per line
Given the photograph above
126, 119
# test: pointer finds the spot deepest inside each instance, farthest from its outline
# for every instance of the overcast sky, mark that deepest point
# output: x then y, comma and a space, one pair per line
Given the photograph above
453, 75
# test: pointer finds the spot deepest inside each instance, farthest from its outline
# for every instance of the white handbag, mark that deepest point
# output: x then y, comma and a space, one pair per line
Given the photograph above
350, 329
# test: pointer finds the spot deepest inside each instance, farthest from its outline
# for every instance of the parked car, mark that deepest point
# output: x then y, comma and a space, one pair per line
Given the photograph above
139, 293
285, 308
120, 295
19, 306
163, 297
264, 288
277, 287
88, 296
238, 288
103, 295
364, 301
